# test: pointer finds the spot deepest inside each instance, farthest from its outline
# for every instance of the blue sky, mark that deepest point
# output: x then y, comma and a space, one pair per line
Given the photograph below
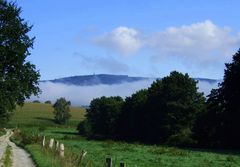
138, 38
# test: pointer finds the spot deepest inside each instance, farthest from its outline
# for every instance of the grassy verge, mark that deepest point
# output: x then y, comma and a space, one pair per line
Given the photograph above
2, 132
7, 159
134, 155
41, 157
46, 157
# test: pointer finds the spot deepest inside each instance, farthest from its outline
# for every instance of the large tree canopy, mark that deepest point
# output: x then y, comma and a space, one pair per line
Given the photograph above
132, 122
103, 114
18, 77
164, 113
172, 105
220, 125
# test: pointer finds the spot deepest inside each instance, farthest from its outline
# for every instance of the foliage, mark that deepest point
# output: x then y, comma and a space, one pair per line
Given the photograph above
132, 121
230, 100
165, 113
220, 124
7, 159
48, 102
208, 124
26, 137
62, 110
103, 114
173, 104
84, 128
18, 77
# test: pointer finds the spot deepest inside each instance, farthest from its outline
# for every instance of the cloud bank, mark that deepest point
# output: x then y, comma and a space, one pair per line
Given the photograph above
202, 42
82, 95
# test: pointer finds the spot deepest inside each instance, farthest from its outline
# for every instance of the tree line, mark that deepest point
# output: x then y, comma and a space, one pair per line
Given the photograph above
172, 111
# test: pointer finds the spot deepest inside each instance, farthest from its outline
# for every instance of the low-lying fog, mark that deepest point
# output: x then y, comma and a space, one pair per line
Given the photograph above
82, 95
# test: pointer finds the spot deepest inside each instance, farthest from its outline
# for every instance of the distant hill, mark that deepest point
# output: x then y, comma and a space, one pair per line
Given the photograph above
90, 80
108, 79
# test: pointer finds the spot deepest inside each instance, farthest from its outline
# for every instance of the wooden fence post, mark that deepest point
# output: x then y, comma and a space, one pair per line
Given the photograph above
57, 145
82, 155
51, 143
43, 141
109, 162
62, 150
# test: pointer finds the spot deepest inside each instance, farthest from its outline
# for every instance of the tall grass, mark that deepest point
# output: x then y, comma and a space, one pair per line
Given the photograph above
7, 157
134, 155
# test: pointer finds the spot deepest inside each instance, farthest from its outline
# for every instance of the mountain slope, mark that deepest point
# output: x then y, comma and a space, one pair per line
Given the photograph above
107, 79
90, 80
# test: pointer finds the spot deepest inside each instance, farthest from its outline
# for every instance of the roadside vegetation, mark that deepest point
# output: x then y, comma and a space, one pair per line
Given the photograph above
7, 157
2, 131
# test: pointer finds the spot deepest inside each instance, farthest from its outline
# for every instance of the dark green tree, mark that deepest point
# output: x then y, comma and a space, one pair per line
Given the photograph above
103, 114
48, 102
220, 125
230, 89
132, 120
62, 110
208, 125
18, 77
173, 104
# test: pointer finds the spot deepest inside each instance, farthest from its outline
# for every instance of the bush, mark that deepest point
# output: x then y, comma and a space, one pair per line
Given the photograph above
84, 128
25, 138
48, 102
102, 116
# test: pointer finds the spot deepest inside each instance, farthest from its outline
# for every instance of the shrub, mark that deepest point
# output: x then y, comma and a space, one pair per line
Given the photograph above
102, 116
48, 102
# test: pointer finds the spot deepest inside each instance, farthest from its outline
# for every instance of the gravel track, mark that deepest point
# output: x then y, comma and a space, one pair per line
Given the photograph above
20, 157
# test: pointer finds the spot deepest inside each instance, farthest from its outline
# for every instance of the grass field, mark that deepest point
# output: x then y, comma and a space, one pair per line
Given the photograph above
134, 155
39, 114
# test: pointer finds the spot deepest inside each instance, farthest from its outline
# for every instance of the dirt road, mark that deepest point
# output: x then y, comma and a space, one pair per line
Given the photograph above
20, 157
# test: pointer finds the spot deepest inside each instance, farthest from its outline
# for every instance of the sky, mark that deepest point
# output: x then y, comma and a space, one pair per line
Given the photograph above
147, 38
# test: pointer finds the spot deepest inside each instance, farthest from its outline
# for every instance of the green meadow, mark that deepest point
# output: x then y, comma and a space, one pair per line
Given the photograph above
39, 114
36, 119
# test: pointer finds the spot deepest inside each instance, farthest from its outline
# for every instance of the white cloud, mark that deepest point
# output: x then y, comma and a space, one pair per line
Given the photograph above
122, 40
200, 42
